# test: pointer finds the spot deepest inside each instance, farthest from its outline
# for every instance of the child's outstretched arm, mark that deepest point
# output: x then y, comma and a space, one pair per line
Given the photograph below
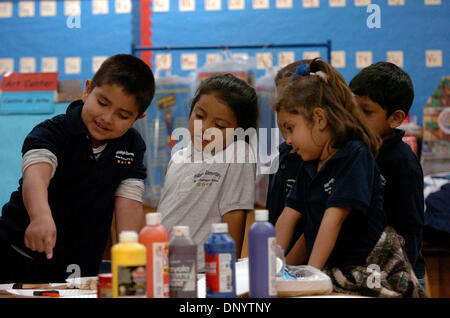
129, 215
236, 228
40, 234
298, 253
327, 235
284, 228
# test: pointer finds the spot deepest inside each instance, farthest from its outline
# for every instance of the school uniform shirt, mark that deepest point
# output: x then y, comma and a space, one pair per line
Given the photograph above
280, 183
81, 192
350, 178
199, 188
403, 195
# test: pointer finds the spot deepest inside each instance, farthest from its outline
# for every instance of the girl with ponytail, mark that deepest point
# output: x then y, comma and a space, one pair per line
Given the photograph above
338, 189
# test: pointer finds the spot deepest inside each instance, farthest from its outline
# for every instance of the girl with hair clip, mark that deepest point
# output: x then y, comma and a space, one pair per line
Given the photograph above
338, 189
210, 181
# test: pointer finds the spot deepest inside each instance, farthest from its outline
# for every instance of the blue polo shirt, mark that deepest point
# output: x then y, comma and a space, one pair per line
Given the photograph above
350, 178
81, 194
403, 195
280, 183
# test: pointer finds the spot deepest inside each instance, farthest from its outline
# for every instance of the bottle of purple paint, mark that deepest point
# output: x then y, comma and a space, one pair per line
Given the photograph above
262, 258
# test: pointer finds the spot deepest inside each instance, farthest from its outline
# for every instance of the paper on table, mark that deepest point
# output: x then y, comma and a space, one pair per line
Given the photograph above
242, 285
36, 286
68, 290
77, 282
64, 293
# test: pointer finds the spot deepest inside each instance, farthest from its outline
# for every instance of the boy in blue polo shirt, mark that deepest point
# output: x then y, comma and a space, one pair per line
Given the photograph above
78, 168
281, 182
385, 94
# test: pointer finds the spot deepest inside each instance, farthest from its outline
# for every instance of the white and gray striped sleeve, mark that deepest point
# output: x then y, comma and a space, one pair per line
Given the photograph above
34, 156
131, 189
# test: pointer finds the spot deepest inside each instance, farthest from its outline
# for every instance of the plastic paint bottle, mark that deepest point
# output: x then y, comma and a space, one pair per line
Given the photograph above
262, 258
155, 238
220, 263
128, 266
104, 285
182, 264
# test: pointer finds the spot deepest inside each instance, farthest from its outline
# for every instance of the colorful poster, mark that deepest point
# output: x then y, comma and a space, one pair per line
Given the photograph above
436, 120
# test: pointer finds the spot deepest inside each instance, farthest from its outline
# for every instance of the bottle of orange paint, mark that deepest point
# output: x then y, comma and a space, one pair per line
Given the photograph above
155, 238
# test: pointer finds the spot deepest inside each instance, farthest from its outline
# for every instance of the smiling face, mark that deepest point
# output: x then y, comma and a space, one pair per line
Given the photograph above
215, 117
108, 112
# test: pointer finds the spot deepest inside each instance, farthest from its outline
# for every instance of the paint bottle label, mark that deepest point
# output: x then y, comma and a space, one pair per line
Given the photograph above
160, 270
183, 278
272, 261
132, 281
219, 274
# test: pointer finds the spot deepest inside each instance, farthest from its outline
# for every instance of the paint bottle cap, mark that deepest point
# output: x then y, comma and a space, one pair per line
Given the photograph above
128, 236
219, 227
153, 218
180, 230
261, 215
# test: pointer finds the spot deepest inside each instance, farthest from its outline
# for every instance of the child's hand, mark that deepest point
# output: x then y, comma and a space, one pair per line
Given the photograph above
40, 235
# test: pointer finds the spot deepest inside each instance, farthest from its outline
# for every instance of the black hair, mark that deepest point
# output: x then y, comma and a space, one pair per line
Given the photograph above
236, 93
386, 84
130, 72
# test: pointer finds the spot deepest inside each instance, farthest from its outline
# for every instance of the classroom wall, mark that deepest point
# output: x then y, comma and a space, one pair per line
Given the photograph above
107, 27
411, 29
77, 49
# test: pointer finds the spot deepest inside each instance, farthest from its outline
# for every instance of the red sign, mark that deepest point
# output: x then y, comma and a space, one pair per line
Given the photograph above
26, 82
411, 140
407, 120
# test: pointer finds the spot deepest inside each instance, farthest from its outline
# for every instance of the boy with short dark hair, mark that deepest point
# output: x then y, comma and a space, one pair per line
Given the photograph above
78, 168
385, 94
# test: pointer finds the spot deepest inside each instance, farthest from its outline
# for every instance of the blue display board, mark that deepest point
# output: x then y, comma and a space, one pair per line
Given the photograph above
38, 36
411, 32
69, 37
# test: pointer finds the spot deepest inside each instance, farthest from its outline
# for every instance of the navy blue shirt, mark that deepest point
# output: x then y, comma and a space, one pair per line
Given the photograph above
403, 195
350, 178
81, 194
280, 183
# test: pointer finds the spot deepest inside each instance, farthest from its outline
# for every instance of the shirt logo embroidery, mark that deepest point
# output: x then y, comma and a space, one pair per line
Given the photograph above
207, 178
327, 187
289, 184
124, 157
383, 180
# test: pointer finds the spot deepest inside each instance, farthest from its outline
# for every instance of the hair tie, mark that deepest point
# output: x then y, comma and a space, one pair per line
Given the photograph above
301, 70
322, 75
